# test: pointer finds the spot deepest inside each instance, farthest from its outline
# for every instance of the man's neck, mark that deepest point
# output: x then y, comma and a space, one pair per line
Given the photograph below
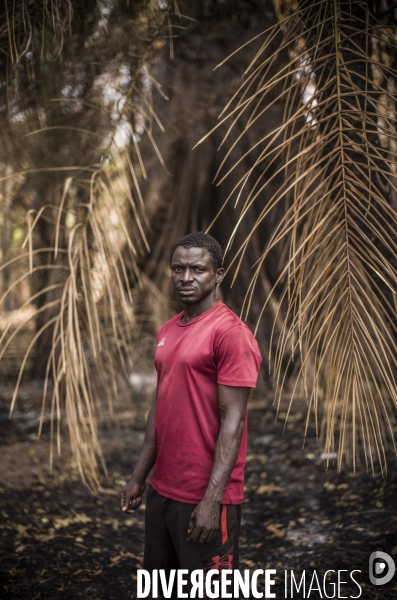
194, 310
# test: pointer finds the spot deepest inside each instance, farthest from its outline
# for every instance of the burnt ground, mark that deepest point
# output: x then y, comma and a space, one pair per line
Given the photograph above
58, 540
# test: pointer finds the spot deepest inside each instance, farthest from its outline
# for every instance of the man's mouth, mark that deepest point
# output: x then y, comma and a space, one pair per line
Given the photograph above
186, 290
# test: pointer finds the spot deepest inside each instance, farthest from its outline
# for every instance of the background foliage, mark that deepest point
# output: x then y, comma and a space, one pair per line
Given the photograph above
101, 104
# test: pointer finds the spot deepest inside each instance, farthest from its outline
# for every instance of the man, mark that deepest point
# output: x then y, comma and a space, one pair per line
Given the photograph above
206, 360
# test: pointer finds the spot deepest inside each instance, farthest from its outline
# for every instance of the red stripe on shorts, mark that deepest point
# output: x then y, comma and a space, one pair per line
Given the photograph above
224, 524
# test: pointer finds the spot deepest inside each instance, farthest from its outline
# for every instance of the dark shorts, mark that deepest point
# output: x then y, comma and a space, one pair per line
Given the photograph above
166, 546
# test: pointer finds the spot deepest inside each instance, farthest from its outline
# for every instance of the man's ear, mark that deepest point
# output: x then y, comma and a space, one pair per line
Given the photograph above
220, 274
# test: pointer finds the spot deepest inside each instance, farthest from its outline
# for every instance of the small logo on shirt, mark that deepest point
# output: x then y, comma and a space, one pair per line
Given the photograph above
161, 342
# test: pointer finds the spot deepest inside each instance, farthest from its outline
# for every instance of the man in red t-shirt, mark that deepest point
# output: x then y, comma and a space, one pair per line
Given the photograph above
196, 436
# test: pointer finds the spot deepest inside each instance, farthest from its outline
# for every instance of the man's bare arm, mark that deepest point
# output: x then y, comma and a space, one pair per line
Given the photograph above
205, 519
131, 495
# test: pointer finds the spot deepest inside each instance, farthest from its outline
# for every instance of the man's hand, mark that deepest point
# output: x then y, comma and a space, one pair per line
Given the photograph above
131, 496
204, 522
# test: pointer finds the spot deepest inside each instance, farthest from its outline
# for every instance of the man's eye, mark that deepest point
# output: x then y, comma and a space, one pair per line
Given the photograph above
198, 270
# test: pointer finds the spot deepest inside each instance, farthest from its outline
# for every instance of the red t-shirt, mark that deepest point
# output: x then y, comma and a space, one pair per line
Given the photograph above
191, 360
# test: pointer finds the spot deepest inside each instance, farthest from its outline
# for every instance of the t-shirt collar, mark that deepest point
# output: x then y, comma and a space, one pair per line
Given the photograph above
199, 317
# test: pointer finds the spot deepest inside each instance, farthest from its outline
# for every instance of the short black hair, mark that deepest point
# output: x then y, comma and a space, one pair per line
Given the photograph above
199, 239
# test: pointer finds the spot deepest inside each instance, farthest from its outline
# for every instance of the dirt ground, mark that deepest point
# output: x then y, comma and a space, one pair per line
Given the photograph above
58, 540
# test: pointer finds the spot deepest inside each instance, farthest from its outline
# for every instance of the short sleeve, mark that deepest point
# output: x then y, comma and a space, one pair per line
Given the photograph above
238, 358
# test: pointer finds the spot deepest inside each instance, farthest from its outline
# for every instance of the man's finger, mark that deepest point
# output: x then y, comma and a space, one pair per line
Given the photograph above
122, 502
131, 507
202, 538
194, 535
211, 535
135, 503
191, 523
126, 505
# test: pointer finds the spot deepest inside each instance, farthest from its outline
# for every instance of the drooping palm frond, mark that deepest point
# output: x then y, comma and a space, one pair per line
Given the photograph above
26, 23
86, 231
335, 213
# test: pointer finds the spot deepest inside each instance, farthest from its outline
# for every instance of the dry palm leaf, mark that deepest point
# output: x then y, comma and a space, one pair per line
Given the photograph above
335, 211
98, 231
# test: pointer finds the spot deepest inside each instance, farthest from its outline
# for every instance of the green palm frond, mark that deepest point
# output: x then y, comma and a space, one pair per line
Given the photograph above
335, 212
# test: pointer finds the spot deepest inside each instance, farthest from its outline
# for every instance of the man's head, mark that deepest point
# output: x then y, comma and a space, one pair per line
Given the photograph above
196, 268
198, 239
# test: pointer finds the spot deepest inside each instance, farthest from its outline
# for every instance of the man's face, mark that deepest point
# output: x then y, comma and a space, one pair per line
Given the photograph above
193, 274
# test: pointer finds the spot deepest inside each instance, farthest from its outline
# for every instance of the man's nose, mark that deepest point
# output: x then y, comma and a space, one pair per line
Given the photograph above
187, 275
